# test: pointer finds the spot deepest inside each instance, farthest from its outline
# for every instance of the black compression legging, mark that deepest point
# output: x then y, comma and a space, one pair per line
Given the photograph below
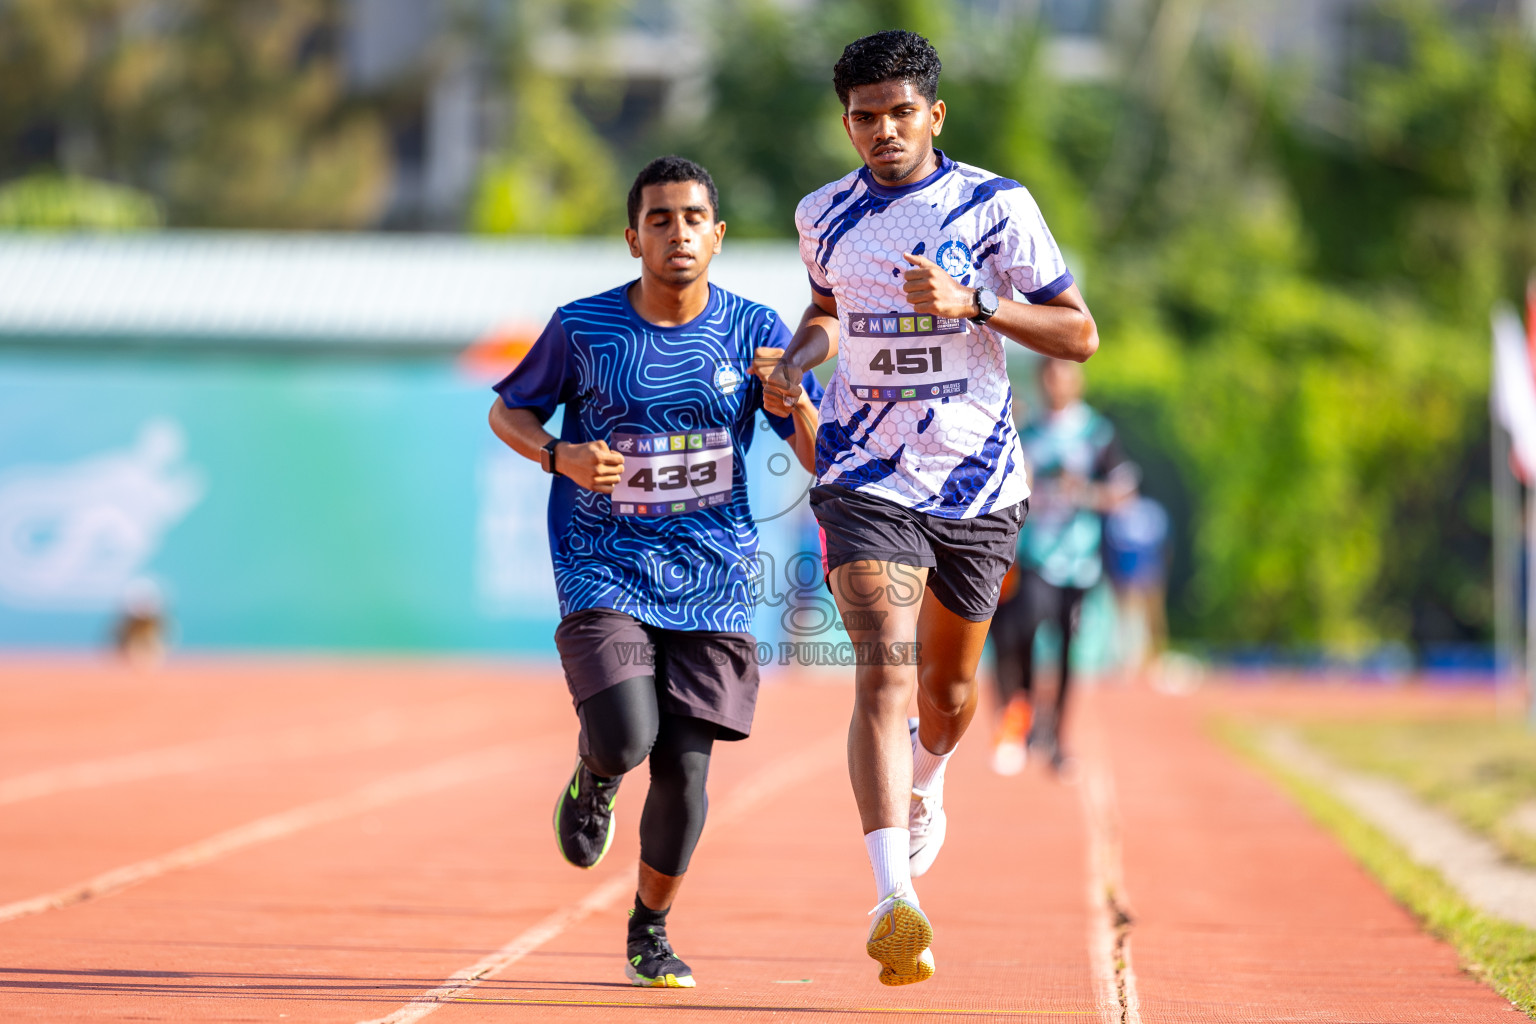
1013, 637
623, 724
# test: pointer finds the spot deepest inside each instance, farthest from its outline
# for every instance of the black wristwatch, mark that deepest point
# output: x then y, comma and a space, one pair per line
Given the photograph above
547, 455
986, 302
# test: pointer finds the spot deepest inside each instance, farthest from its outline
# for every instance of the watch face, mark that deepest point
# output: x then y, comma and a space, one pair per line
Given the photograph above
986, 305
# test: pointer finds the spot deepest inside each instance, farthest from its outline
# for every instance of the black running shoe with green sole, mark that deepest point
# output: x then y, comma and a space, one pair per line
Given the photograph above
584, 817
652, 964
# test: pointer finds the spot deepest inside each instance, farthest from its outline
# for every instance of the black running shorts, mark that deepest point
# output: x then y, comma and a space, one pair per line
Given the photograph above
699, 673
966, 559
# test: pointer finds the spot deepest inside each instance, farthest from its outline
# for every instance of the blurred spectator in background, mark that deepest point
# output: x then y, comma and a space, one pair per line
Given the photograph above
1136, 559
1077, 474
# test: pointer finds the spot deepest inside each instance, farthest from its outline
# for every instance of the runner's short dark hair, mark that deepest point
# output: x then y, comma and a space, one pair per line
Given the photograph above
665, 170
892, 54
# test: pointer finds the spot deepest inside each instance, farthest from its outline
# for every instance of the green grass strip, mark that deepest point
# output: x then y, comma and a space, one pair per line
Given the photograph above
1498, 952
1478, 769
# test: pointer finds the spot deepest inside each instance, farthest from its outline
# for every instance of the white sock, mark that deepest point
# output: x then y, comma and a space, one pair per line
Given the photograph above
928, 768
889, 850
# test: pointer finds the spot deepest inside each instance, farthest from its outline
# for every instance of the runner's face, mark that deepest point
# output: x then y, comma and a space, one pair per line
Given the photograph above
678, 233
1062, 383
893, 126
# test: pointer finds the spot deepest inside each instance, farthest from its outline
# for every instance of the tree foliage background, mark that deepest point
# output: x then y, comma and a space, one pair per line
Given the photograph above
230, 113
1292, 268
553, 174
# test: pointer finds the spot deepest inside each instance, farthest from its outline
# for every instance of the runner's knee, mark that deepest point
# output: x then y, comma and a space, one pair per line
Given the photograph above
619, 726
678, 801
882, 686
947, 693
683, 772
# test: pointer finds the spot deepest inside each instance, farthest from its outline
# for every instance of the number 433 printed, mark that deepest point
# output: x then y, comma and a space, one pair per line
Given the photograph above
674, 478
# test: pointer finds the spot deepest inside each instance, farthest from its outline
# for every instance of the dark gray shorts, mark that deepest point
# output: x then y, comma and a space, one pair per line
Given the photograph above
966, 559
699, 673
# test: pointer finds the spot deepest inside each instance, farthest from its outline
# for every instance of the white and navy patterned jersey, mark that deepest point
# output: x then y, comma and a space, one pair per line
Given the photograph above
919, 409
675, 544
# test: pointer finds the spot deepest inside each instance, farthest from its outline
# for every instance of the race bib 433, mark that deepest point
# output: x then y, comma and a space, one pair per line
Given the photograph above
665, 474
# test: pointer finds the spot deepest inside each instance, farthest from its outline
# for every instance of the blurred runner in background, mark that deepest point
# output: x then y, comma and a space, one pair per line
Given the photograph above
1077, 473
1136, 558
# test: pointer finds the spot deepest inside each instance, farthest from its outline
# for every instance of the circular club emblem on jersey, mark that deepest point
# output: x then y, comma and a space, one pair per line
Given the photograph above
954, 257
728, 379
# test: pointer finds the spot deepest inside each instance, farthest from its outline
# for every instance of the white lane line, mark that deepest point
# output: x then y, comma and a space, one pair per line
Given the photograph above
454, 771
1109, 946
375, 730
762, 786
1101, 931
601, 898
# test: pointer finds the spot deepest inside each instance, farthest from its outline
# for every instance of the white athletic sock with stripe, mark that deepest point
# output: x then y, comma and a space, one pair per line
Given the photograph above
928, 768
888, 855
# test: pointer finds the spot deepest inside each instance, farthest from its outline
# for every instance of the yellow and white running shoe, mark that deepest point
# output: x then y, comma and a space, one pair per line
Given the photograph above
899, 940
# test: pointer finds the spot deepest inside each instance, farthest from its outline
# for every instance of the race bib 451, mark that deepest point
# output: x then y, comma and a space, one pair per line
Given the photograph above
905, 357
665, 474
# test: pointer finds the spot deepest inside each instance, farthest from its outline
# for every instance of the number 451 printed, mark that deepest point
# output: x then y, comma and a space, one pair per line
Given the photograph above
908, 360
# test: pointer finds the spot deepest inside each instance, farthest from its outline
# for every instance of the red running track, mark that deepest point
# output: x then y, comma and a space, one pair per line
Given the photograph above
350, 841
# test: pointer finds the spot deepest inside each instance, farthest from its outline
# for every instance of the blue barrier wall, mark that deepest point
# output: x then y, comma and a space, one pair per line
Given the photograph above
285, 503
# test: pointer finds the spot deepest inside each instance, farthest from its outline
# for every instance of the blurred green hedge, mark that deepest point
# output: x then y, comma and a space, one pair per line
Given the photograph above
58, 202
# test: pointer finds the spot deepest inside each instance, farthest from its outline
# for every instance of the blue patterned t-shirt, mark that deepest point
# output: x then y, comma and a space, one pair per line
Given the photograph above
675, 545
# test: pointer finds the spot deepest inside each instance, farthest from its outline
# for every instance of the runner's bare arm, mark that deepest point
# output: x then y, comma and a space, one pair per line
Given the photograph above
806, 416
592, 465
815, 342
1061, 327
803, 440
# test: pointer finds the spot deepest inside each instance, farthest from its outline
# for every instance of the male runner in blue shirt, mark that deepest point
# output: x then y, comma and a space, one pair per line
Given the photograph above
651, 536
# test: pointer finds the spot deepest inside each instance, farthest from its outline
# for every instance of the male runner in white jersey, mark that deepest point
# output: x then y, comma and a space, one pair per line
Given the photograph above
920, 478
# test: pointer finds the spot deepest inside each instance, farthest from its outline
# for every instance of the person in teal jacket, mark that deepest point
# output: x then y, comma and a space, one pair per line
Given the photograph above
1077, 473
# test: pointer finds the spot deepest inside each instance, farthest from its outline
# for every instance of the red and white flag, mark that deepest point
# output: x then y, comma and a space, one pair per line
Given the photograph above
1513, 394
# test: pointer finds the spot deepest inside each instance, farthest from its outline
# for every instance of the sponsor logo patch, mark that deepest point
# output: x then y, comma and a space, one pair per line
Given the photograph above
903, 324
